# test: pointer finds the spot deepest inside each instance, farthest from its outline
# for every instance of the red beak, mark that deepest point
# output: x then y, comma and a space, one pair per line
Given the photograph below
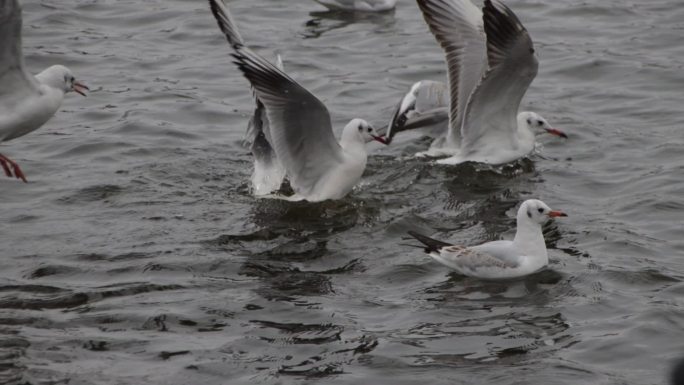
555, 214
80, 88
380, 139
557, 132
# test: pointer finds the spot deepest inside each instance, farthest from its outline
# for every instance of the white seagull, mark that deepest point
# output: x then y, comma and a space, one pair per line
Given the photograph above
317, 165
359, 5
522, 256
490, 64
26, 102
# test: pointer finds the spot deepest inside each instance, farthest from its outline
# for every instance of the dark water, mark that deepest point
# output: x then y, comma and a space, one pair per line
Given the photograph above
137, 256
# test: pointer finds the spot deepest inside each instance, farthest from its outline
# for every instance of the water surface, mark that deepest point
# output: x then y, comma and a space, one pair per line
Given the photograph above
137, 255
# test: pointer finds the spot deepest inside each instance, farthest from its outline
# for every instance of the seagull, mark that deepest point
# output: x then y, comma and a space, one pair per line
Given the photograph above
317, 165
26, 101
522, 256
490, 64
359, 5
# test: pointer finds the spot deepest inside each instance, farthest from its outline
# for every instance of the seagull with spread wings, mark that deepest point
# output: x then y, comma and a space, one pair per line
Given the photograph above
317, 165
490, 64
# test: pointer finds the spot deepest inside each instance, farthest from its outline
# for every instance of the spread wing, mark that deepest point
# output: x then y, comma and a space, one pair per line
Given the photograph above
458, 28
300, 125
15, 83
493, 108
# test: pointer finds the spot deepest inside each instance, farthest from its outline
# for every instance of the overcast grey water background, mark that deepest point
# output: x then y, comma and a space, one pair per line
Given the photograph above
136, 254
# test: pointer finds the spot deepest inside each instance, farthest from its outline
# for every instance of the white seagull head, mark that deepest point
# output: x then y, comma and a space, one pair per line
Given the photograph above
61, 78
360, 130
537, 124
537, 212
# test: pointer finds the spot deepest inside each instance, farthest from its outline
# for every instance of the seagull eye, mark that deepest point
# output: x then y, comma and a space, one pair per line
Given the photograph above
540, 123
370, 129
529, 121
541, 210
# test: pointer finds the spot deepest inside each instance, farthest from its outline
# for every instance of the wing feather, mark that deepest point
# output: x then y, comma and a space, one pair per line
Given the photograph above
15, 83
512, 65
457, 25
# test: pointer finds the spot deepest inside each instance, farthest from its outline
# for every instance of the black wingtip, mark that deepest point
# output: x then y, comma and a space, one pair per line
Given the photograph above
226, 24
431, 245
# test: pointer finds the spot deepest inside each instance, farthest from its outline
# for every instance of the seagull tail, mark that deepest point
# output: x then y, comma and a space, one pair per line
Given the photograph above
431, 245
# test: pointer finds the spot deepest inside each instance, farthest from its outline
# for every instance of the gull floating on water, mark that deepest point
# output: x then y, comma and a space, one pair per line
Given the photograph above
359, 5
522, 256
490, 64
317, 165
26, 102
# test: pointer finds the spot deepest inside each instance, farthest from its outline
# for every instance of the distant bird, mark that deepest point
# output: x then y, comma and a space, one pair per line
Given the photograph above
317, 165
522, 256
359, 5
26, 102
490, 64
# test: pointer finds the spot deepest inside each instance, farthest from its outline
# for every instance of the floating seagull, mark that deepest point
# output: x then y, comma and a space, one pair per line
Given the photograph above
317, 165
524, 255
26, 102
359, 5
491, 63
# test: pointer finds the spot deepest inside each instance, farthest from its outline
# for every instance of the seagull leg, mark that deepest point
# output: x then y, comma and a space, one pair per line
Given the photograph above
5, 167
11, 168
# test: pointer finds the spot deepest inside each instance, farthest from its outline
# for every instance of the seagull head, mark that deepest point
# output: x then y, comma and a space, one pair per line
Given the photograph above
60, 77
539, 125
363, 130
537, 211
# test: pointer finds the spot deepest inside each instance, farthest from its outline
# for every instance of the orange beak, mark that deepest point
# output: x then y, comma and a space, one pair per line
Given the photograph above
557, 132
80, 88
380, 139
555, 214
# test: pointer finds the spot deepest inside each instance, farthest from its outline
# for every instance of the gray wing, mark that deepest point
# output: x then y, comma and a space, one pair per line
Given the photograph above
258, 129
457, 26
15, 83
300, 125
424, 105
466, 258
493, 107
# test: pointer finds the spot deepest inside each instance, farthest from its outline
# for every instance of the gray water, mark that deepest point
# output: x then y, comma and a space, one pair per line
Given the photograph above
136, 254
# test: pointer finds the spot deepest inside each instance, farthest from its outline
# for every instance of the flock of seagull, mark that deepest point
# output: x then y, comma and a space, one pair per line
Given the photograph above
475, 117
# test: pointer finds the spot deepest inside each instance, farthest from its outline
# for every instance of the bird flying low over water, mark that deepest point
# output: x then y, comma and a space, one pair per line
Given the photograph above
316, 164
490, 64
26, 101
522, 256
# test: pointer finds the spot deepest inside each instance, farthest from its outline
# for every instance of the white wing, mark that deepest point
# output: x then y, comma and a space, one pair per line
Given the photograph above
300, 125
15, 84
458, 28
493, 108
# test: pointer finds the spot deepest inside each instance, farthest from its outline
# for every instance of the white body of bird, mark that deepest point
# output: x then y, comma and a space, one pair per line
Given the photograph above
522, 256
